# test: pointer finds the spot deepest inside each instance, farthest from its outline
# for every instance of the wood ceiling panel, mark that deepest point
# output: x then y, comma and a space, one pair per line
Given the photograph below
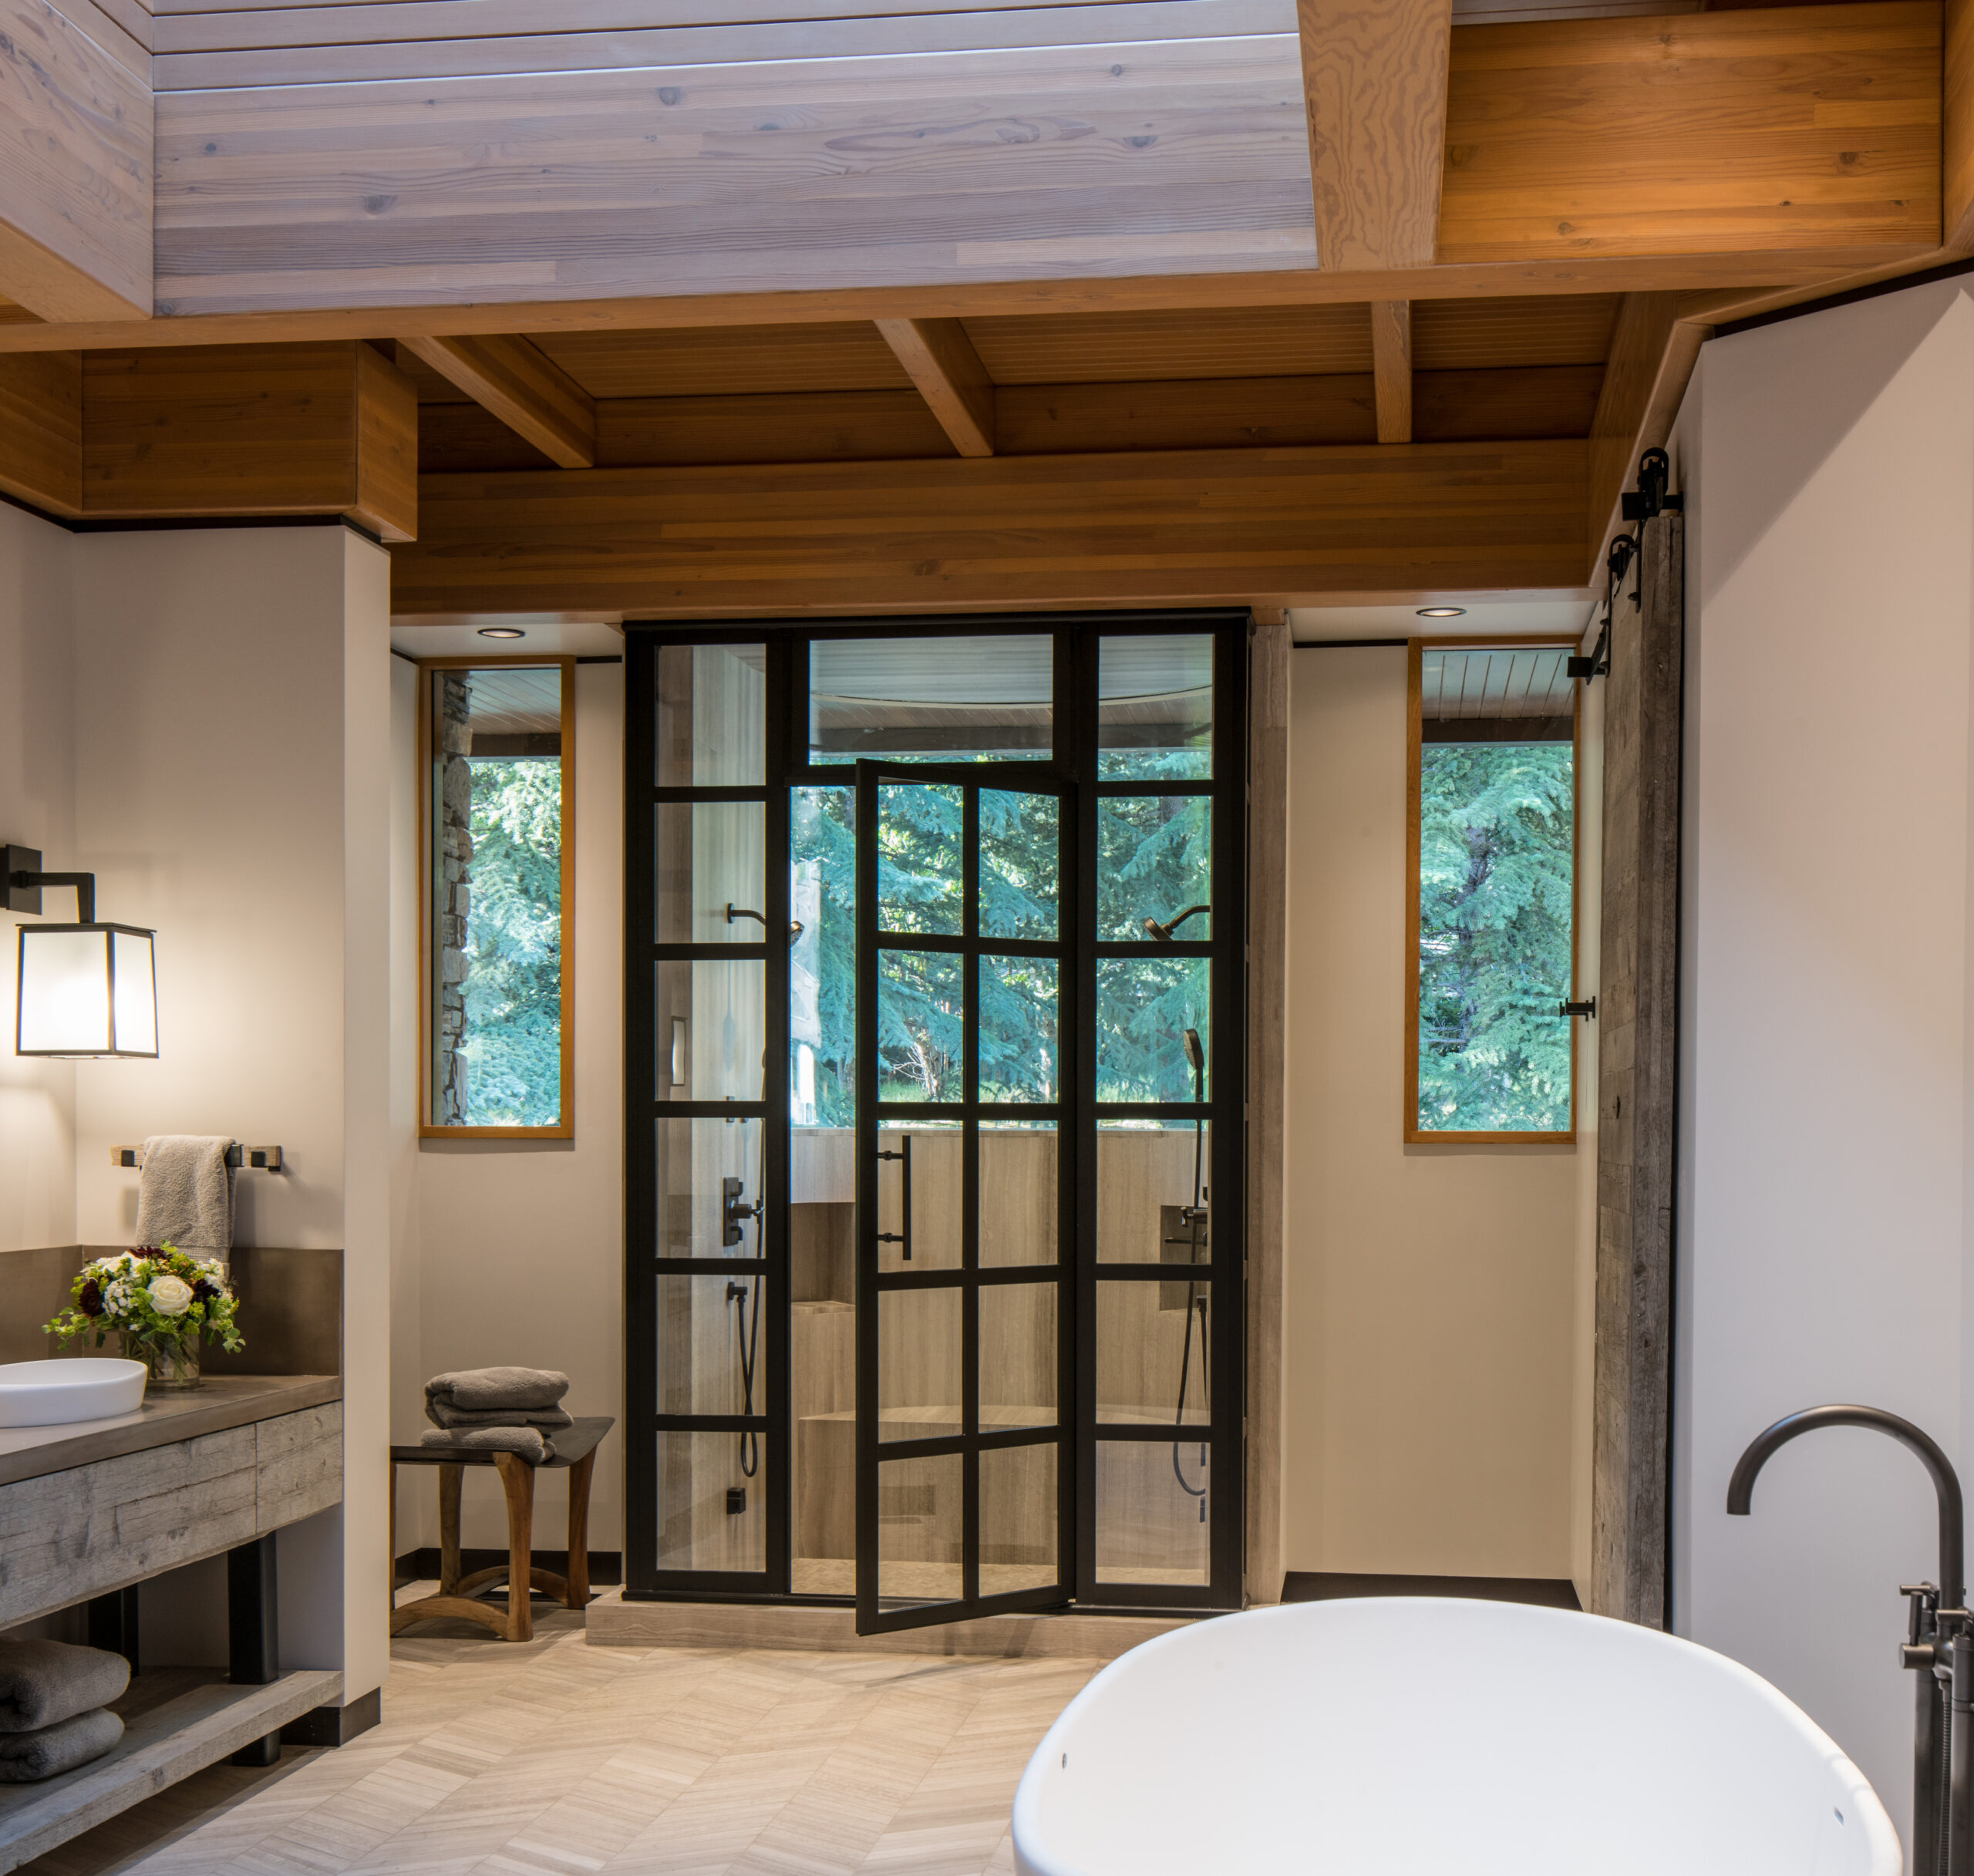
1492, 335
731, 360
818, 426
1256, 342
431, 388
1208, 413
1469, 406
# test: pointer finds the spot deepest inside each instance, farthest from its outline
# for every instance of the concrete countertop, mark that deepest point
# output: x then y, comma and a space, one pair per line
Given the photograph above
163, 1419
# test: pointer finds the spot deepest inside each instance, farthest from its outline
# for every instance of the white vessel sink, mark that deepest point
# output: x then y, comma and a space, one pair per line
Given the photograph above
56, 1393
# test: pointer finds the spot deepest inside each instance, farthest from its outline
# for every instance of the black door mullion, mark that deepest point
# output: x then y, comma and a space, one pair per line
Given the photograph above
777, 1152
867, 1429
969, 1215
1079, 1247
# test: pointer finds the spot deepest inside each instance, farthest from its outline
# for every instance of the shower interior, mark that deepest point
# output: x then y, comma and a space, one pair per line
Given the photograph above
1150, 1499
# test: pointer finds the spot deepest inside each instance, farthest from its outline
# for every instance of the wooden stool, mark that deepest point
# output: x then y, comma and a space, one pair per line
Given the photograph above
575, 1453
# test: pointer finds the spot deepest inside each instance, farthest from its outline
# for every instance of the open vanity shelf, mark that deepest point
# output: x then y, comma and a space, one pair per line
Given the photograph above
177, 1721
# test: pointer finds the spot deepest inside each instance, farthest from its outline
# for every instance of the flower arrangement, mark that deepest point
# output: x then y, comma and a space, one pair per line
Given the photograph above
161, 1302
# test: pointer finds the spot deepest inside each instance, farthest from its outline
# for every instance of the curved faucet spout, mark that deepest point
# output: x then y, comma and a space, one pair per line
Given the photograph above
1946, 1486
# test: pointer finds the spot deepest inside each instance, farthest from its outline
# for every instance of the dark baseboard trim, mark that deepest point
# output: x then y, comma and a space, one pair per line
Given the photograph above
421, 1566
1334, 1585
336, 1725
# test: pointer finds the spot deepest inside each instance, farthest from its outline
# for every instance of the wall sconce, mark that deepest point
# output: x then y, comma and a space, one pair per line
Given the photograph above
84, 989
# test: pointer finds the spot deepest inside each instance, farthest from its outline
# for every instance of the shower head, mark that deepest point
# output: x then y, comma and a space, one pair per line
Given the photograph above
1162, 933
1195, 1056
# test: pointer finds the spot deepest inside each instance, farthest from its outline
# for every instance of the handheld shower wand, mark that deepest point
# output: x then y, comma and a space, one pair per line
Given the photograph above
1194, 1217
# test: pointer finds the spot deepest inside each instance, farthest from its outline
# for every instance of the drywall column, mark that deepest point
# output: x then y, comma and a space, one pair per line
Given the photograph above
1822, 1245
232, 785
37, 809
1429, 1291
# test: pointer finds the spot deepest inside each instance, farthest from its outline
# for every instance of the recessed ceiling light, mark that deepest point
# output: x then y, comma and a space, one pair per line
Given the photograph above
502, 631
1442, 612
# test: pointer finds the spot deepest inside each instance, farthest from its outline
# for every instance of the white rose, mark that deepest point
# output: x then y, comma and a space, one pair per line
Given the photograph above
171, 1295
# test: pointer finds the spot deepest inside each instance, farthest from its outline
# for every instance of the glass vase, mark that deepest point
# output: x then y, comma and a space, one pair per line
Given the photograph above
174, 1364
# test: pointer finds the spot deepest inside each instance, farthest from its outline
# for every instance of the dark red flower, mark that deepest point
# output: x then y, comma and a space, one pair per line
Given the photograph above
90, 1301
203, 1291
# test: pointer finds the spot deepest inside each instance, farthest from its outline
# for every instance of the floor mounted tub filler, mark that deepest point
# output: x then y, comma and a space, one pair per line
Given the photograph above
1417, 1736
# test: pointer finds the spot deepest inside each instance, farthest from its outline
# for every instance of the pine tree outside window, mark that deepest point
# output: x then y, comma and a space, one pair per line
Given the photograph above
1493, 869
498, 851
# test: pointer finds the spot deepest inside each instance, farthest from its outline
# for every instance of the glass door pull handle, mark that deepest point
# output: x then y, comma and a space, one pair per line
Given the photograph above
902, 1238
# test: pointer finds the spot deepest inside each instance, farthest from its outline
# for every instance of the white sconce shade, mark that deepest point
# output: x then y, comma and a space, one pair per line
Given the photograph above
86, 990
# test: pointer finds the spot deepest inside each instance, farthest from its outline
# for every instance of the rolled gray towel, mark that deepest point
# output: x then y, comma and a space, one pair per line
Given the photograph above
26, 1758
479, 1388
443, 1413
44, 1682
525, 1441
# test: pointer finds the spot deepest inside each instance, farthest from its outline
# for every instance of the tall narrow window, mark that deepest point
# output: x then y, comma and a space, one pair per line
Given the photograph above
1493, 875
499, 854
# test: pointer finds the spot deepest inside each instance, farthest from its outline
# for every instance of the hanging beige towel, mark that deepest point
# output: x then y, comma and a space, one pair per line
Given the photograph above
185, 1194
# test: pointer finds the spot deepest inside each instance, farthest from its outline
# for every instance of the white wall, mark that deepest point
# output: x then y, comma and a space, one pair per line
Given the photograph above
1824, 1220
1430, 1292
37, 809
231, 758
520, 1243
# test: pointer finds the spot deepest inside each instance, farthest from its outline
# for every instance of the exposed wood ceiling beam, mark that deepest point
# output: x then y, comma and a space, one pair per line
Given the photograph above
1653, 350
1957, 128
1391, 367
1278, 526
1808, 272
940, 359
41, 430
76, 214
329, 429
1374, 86
517, 381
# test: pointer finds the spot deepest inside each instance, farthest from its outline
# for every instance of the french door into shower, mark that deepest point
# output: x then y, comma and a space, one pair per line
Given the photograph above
966, 1192
935, 1011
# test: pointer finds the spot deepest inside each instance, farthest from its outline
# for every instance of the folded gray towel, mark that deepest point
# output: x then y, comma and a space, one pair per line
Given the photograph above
185, 1193
479, 1388
44, 1682
524, 1440
25, 1758
443, 1413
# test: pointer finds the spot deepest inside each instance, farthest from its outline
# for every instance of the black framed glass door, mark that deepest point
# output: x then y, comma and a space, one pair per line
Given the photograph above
1067, 1154
966, 1191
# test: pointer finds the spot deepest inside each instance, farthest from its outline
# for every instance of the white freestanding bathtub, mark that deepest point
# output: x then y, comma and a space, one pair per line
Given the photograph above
1414, 1736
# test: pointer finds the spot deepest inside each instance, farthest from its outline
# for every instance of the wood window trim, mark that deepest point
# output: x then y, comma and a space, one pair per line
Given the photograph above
1414, 1135
565, 1128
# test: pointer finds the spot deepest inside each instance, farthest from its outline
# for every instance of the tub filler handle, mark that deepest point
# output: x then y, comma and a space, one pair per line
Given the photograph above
1939, 1645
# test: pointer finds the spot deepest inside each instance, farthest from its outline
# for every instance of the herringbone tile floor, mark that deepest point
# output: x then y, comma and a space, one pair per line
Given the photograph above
551, 1758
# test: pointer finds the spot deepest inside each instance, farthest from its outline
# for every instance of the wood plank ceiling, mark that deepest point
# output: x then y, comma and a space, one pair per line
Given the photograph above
685, 308
1503, 370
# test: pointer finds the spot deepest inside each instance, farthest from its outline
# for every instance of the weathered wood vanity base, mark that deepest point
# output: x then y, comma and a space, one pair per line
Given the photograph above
87, 1510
